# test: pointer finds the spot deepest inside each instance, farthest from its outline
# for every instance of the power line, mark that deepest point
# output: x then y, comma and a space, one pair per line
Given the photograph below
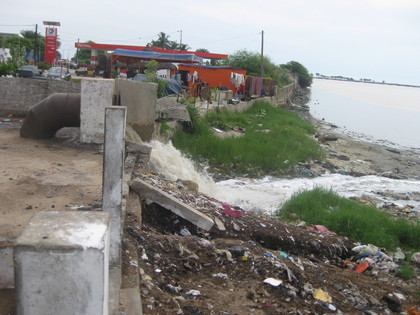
16, 25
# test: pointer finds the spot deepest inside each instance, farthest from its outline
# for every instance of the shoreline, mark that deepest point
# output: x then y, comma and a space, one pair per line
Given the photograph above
355, 156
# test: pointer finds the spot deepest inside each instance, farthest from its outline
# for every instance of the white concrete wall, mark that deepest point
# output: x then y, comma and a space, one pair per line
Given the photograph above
140, 100
95, 96
61, 264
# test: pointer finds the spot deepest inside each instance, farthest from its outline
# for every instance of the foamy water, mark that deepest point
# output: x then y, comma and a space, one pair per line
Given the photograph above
166, 160
269, 193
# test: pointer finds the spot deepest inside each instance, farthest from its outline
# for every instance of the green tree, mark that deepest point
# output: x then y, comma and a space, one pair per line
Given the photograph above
304, 78
164, 43
151, 74
251, 62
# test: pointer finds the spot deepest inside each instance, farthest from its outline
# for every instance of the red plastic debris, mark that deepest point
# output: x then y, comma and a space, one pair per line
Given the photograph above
321, 229
354, 267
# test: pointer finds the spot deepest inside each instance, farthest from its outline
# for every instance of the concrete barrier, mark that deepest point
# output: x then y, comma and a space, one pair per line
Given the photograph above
61, 264
19, 94
95, 96
140, 100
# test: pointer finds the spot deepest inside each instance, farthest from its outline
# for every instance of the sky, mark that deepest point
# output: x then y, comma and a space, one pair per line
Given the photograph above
374, 39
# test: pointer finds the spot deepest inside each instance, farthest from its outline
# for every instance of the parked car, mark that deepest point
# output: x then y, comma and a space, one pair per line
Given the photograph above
29, 71
85, 71
59, 73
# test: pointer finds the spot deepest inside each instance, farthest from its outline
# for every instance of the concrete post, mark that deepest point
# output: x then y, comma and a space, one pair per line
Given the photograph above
113, 170
61, 264
95, 96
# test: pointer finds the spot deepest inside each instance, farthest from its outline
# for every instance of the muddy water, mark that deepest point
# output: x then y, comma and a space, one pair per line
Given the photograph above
269, 193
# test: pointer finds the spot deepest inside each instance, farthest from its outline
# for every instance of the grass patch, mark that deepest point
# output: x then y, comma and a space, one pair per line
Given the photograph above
258, 152
362, 223
164, 128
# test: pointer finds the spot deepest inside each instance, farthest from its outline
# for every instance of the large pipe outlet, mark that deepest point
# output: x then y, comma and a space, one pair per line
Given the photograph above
50, 115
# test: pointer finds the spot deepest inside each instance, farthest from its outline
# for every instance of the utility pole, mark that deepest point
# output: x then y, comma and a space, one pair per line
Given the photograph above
262, 53
36, 44
180, 41
77, 52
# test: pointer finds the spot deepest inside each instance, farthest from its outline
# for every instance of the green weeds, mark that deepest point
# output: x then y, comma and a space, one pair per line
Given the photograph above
362, 223
275, 140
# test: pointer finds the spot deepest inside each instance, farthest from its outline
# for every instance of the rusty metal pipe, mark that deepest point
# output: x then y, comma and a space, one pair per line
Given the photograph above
45, 118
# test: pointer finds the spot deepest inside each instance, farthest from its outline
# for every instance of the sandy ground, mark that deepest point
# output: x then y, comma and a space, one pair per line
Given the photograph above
358, 156
36, 175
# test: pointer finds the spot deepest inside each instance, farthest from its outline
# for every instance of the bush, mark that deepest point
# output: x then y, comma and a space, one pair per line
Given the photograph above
7, 68
304, 78
43, 65
362, 223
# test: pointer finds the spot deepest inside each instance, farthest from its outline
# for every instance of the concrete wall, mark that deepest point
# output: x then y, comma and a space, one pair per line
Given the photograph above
19, 94
169, 108
95, 96
280, 99
140, 100
61, 262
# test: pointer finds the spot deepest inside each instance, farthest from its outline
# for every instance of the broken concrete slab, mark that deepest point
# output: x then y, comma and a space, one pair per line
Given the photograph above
147, 191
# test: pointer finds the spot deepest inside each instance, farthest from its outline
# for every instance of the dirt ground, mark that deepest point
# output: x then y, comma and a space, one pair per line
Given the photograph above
58, 174
185, 270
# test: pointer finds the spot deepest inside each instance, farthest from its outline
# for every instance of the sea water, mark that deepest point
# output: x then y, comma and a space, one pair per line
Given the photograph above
381, 113
378, 113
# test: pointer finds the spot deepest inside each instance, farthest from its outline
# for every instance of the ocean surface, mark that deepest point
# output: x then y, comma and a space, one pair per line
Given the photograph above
378, 113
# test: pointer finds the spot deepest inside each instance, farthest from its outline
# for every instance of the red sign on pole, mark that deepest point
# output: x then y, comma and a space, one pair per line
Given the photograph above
50, 45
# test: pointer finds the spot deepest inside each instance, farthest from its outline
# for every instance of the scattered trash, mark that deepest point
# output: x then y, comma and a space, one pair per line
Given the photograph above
220, 275
236, 251
359, 268
321, 229
399, 295
273, 282
283, 255
194, 293
223, 251
398, 255
416, 258
322, 295
185, 232
232, 213
205, 243
175, 289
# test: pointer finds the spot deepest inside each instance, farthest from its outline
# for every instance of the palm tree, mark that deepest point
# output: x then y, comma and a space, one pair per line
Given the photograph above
162, 41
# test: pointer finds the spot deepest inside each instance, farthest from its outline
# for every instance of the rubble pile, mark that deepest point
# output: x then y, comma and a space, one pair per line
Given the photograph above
252, 264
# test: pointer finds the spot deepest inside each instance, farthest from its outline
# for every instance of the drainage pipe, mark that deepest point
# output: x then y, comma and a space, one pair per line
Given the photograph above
51, 114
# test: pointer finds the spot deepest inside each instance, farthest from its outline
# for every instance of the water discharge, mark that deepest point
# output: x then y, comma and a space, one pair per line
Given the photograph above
268, 194
166, 160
